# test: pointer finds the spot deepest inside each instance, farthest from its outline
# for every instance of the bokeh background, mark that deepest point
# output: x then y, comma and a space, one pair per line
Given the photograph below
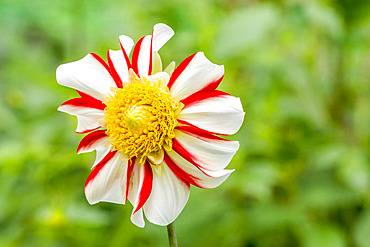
301, 69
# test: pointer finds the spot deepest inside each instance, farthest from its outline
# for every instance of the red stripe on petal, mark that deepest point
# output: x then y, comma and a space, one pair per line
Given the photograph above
99, 166
92, 101
146, 188
202, 95
151, 54
89, 139
177, 147
200, 133
177, 72
131, 163
200, 129
126, 57
84, 94
85, 102
87, 131
113, 72
100, 60
180, 173
213, 85
135, 55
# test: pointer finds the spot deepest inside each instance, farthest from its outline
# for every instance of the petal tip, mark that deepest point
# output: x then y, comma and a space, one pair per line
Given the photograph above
164, 26
61, 109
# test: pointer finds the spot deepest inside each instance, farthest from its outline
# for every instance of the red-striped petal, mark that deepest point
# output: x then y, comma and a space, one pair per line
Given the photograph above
196, 73
142, 55
89, 140
177, 72
99, 166
186, 171
200, 129
180, 173
101, 61
192, 130
168, 197
107, 182
88, 110
126, 46
113, 71
146, 187
176, 146
208, 151
85, 101
202, 95
217, 112
90, 75
136, 53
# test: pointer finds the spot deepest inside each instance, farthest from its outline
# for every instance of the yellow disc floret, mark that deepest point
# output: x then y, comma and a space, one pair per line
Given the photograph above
140, 118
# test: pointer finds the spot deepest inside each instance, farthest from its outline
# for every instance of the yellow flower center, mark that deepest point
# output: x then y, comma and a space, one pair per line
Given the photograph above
140, 118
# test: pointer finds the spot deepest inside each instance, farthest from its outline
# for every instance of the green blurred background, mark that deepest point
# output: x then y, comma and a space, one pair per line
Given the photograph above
301, 69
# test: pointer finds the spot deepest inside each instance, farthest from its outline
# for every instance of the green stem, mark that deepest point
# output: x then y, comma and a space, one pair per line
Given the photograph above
172, 235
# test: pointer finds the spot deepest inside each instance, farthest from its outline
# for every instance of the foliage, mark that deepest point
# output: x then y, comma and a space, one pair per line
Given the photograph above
301, 69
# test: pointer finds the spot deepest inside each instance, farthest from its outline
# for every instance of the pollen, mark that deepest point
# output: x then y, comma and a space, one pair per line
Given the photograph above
140, 118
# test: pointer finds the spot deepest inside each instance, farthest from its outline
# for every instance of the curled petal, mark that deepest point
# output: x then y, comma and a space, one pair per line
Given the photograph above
161, 34
138, 218
195, 73
142, 57
140, 187
89, 75
88, 118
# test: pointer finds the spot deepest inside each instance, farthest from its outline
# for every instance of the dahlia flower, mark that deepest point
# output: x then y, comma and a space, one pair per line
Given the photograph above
154, 131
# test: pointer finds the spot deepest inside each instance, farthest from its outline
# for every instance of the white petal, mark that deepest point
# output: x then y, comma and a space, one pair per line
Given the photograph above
168, 198
222, 115
198, 74
87, 118
107, 182
197, 176
87, 75
161, 34
210, 153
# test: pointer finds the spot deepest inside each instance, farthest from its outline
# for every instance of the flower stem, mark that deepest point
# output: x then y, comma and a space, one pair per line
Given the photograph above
172, 235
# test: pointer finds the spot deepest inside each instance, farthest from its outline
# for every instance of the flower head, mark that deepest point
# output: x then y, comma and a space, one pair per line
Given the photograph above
154, 132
